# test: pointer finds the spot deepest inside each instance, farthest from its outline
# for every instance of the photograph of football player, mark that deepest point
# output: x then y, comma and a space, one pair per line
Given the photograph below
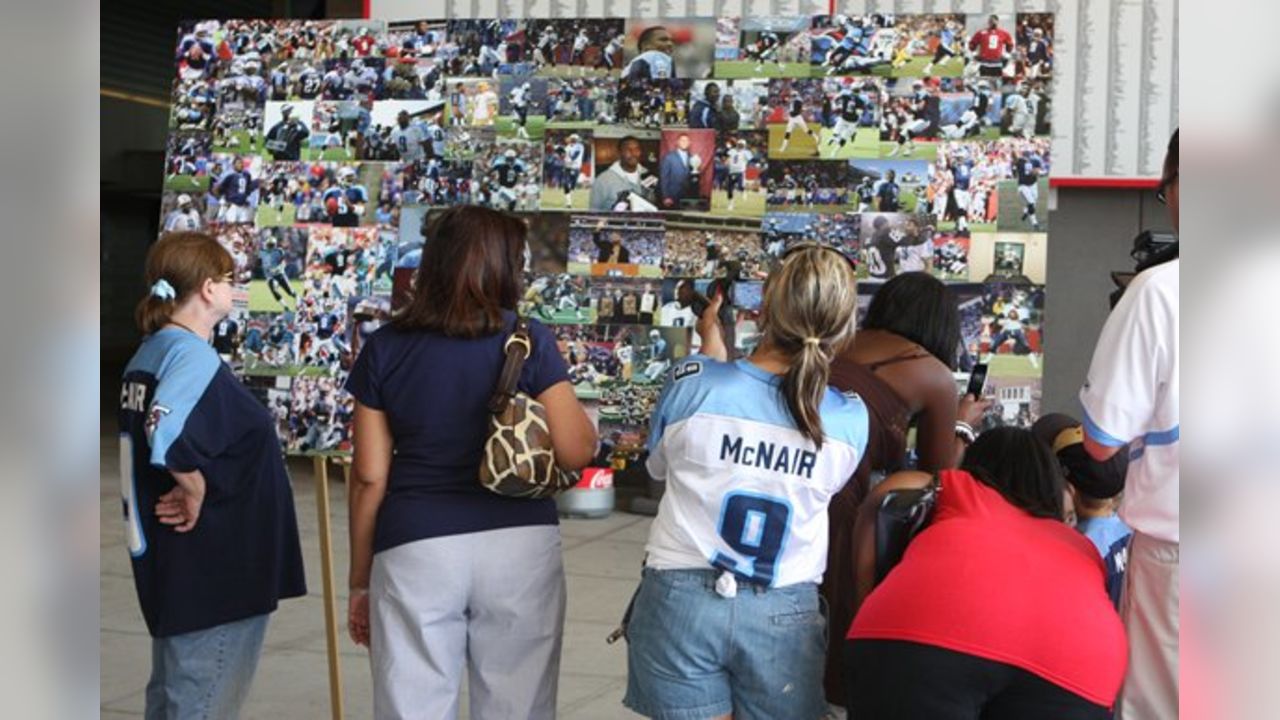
237, 131
616, 245
365, 315
1026, 111
968, 183
473, 103
911, 119
337, 127
415, 39
580, 103
567, 169
486, 48
969, 110
277, 269
652, 103
781, 231
507, 176
286, 130
195, 54
685, 171
193, 103
272, 391
558, 299
588, 351
1012, 336
1011, 257
850, 117
767, 46
187, 162
740, 163
990, 45
1024, 194
896, 185
236, 188
625, 177
853, 44
730, 106
519, 111
1035, 45
883, 234
182, 212
633, 403
356, 79
268, 344
434, 182
404, 130
703, 247
320, 416
951, 257
810, 186
576, 47
795, 111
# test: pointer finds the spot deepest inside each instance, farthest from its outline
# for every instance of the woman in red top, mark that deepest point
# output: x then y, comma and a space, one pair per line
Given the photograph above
998, 610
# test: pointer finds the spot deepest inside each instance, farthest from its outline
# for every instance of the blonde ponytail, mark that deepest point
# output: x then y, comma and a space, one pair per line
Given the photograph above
808, 314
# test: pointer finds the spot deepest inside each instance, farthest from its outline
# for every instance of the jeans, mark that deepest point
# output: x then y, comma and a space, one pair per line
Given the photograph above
693, 654
205, 673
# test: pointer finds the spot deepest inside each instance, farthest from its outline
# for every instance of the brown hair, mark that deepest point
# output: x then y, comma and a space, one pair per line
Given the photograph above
184, 260
469, 274
808, 314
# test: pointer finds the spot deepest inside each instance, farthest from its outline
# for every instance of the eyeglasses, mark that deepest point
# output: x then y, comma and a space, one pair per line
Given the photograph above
1162, 189
853, 264
226, 277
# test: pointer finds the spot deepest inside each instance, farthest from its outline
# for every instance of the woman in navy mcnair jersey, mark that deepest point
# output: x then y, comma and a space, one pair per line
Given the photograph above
726, 622
446, 574
208, 509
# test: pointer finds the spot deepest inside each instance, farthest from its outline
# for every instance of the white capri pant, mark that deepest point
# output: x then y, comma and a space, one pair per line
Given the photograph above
492, 602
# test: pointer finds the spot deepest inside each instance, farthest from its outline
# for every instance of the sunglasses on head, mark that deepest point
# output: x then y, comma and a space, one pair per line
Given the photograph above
853, 264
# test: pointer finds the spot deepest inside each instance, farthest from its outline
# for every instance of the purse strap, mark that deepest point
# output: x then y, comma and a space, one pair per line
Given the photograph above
518, 348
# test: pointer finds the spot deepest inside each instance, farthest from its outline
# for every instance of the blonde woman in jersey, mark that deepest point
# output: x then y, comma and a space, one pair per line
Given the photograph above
726, 622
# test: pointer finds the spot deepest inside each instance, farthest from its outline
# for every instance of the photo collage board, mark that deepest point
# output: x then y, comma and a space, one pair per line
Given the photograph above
654, 161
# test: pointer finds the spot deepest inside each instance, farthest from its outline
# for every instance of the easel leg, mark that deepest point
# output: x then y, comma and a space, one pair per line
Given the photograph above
330, 595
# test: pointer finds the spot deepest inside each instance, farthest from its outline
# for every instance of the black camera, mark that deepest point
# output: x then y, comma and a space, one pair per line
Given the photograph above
1150, 248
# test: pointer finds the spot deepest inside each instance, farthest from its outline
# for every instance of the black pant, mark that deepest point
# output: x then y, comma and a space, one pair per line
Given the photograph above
894, 680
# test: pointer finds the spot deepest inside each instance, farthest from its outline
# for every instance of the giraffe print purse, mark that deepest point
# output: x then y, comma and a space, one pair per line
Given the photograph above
518, 458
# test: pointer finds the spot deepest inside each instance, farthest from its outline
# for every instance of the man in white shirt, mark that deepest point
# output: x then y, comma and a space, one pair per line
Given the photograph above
1131, 397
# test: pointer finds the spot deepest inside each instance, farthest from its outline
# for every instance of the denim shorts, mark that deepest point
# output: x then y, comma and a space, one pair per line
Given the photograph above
693, 654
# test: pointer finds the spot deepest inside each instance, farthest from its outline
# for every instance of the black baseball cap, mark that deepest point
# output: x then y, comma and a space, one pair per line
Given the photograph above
1065, 436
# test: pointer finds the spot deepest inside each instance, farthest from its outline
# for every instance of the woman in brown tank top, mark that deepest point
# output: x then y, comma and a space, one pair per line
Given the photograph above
900, 363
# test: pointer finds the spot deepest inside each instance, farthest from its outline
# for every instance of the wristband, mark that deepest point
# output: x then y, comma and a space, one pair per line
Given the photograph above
965, 432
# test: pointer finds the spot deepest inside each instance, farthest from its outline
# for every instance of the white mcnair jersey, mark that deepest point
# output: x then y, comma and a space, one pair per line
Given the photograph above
746, 492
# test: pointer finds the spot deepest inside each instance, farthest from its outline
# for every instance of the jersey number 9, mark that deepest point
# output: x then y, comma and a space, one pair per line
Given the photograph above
755, 526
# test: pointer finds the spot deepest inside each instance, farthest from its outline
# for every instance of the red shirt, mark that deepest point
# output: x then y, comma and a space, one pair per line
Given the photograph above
991, 44
987, 579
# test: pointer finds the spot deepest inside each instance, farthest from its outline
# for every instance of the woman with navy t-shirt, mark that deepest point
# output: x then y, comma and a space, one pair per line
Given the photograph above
727, 621
444, 573
208, 510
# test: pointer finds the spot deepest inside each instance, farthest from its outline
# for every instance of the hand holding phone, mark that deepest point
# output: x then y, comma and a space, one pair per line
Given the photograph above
977, 381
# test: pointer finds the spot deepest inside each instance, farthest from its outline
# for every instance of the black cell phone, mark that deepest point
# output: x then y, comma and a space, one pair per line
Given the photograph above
977, 381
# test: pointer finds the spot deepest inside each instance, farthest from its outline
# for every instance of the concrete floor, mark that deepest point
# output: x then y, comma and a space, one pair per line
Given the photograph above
602, 560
